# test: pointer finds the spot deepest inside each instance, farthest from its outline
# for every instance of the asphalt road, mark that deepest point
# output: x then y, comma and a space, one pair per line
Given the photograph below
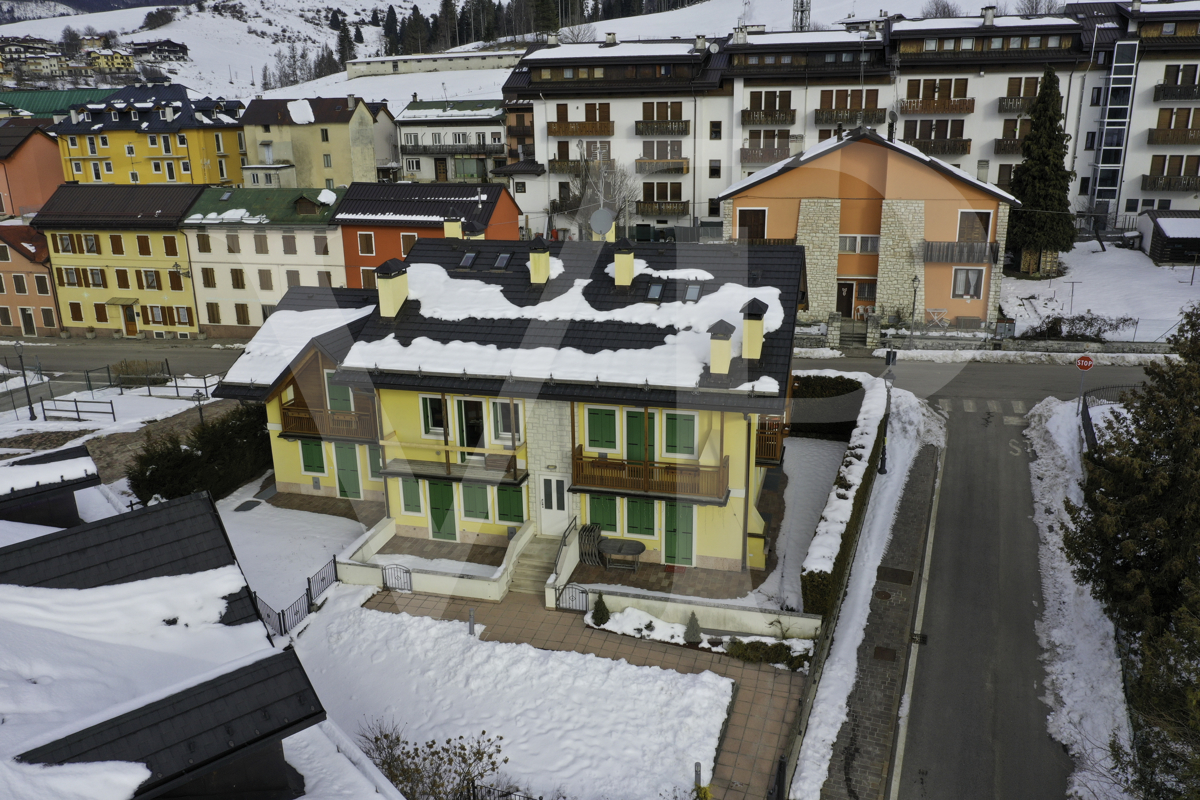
977, 728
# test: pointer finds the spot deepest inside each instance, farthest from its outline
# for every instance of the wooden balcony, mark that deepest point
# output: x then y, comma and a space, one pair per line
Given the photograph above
941, 147
674, 208
1015, 105
651, 477
961, 252
469, 149
329, 424
565, 167
1007, 147
434, 459
956, 105
764, 155
768, 449
849, 116
580, 128
1174, 136
524, 152
1163, 92
520, 130
1170, 183
663, 127
784, 117
672, 166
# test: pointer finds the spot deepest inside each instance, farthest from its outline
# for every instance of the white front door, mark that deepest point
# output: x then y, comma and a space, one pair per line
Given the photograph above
552, 511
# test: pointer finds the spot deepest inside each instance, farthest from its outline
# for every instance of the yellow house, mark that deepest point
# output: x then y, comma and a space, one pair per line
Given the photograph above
153, 133
106, 61
120, 259
322, 142
543, 386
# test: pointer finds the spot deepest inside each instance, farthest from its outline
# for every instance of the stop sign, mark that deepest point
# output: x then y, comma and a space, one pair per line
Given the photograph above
1084, 363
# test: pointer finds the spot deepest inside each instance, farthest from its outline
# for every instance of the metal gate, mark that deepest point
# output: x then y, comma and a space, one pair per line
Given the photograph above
572, 597
397, 578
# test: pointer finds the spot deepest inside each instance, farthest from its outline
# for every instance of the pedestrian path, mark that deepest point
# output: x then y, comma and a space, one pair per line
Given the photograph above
1009, 412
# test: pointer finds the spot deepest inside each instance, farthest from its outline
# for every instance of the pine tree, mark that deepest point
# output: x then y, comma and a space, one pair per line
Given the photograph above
445, 25
600, 614
545, 16
326, 63
346, 49
391, 33
266, 78
358, 37
416, 33
335, 20
1042, 182
375, 17
691, 634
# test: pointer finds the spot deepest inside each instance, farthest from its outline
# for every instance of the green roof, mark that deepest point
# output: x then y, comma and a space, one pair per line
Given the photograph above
278, 206
43, 102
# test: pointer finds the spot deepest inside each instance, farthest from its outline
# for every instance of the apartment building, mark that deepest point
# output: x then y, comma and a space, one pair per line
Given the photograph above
320, 142
453, 140
27, 295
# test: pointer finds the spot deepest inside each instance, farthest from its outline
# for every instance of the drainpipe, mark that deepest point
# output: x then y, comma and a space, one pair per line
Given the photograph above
746, 498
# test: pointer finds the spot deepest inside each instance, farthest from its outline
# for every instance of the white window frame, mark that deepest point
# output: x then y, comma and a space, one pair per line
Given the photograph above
129, 150
991, 219
152, 140
327, 160
20, 287
133, 177
103, 141
108, 167
954, 280
185, 167
133, 115
412, 165
421, 500
620, 432
358, 241
40, 282
181, 140
156, 167
77, 167
220, 142
504, 438
324, 459
411, 139
623, 523
433, 433
931, 45
662, 436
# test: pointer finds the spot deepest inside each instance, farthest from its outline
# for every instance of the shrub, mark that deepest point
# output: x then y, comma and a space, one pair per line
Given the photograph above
158, 18
763, 653
164, 467
691, 634
813, 386
600, 613
430, 771
1079, 328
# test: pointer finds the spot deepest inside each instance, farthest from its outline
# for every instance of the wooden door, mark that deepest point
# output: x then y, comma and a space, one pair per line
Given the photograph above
131, 328
845, 300
752, 223
28, 326
639, 436
678, 534
439, 168
441, 510
345, 457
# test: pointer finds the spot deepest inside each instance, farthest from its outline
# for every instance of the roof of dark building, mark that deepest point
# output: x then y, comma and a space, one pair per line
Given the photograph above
197, 729
380, 108
12, 136
1186, 232
325, 111
17, 237
117, 206
48, 490
177, 537
419, 205
527, 167
148, 100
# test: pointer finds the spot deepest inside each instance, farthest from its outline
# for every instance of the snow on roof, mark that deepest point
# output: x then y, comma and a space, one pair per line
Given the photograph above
678, 362
301, 112
13, 532
1171, 8
458, 110
104, 780
232, 215
327, 197
1180, 227
946, 23
282, 337
640, 267
408, 217
449, 55
808, 37
15, 477
683, 47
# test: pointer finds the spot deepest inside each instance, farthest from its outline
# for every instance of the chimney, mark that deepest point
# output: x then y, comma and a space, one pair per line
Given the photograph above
1136, 5
719, 334
391, 281
452, 228
989, 16
170, 113
623, 263
351, 101
610, 39
739, 35
414, 97
701, 43
474, 231
258, 97
752, 329
552, 40
539, 260
74, 117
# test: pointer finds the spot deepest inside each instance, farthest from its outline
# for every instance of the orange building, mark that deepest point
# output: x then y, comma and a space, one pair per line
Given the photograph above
27, 294
886, 230
30, 166
382, 220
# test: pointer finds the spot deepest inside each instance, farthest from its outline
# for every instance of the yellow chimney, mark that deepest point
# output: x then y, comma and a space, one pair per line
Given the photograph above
452, 228
752, 329
391, 281
720, 353
623, 263
539, 260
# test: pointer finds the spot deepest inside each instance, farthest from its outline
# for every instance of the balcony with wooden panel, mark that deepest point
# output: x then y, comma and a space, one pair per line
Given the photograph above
462, 149
768, 440
662, 127
663, 208
1015, 105
961, 252
764, 155
785, 116
672, 166
434, 459
1170, 183
1174, 136
938, 105
520, 130
850, 116
1172, 93
327, 424
682, 480
562, 166
941, 147
1007, 147
605, 128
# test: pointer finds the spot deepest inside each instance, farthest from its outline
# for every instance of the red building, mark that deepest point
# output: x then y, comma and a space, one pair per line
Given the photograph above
30, 165
382, 220
27, 294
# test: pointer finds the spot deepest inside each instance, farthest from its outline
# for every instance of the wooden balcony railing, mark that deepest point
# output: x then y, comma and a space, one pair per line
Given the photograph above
961, 252
1174, 136
937, 105
520, 130
524, 152
784, 117
769, 441
662, 127
1007, 147
675, 208
941, 147
849, 116
468, 149
560, 166
1170, 183
432, 458
323, 422
1015, 105
650, 477
1168, 93
764, 155
580, 128
674, 166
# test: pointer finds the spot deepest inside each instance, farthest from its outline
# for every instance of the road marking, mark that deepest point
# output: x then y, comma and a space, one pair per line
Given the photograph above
993, 406
1018, 407
969, 406
1019, 421
945, 405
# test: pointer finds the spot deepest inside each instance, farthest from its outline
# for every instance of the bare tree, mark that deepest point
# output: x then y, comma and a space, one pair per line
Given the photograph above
940, 8
602, 183
578, 34
1031, 7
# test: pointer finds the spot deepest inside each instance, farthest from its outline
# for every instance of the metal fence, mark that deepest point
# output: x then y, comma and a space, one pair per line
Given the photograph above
1101, 396
280, 622
572, 597
397, 577
78, 408
474, 791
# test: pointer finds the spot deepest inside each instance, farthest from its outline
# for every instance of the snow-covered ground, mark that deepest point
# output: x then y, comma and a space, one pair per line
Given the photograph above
1022, 357
913, 425
133, 409
278, 548
1083, 673
1115, 283
595, 727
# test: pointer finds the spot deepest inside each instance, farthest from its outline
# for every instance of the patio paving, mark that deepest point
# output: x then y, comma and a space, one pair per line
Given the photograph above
712, 584
453, 551
764, 708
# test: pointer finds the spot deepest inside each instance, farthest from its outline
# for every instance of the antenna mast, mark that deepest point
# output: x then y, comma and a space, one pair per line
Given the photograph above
801, 11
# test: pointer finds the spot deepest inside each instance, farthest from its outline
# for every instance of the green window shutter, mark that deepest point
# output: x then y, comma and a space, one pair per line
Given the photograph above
602, 429
410, 490
681, 434
339, 396
641, 517
475, 503
509, 505
603, 512
375, 460
312, 456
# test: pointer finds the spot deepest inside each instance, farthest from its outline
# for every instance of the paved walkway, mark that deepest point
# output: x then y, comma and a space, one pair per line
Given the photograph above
454, 551
764, 707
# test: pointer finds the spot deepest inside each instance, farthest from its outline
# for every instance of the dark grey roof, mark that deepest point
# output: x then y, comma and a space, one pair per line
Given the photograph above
178, 537
150, 98
46, 491
413, 203
527, 167
196, 730
117, 206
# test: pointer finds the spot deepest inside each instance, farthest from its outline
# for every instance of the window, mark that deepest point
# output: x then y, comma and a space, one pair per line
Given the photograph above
293, 277
242, 312
289, 244
328, 160
266, 128
133, 115
752, 59
680, 433
232, 243
321, 245
714, 207
76, 312
435, 138
77, 166
312, 457
568, 72
475, 501
97, 278
95, 170
714, 168
324, 134
241, 142
411, 138
203, 243
239, 278
601, 429
412, 165
108, 167
19, 285
410, 493
104, 141
847, 244
153, 140
208, 277
714, 130
502, 427
170, 246
1131, 206
149, 279
639, 517
186, 167
133, 177
65, 243
1089, 140
598, 72
366, 244
868, 245
328, 182
129, 151
143, 244
1085, 185
968, 282
432, 418
602, 511
260, 244
1097, 95
1168, 29
1035, 42
1054, 41
974, 226
930, 45
184, 315
42, 283
72, 141
967, 43
267, 311
5, 255
122, 278
214, 313
156, 314
254, 178
265, 281
1164, 205
407, 240
162, 114
5, 316
461, 138
545, 74
91, 244
156, 167
220, 142
1014, 43
170, 170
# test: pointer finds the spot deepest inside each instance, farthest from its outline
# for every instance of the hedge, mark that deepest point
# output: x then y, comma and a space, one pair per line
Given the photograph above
818, 386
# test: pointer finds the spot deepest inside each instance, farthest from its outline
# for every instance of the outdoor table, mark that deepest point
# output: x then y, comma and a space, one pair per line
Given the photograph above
621, 547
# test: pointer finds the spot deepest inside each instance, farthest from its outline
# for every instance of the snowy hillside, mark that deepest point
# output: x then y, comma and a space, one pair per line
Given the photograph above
33, 9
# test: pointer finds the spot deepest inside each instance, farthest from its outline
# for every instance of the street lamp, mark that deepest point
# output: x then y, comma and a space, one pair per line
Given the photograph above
25, 378
199, 398
888, 380
916, 285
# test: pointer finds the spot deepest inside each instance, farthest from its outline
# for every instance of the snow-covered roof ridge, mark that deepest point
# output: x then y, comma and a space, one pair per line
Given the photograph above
283, 336
16, 477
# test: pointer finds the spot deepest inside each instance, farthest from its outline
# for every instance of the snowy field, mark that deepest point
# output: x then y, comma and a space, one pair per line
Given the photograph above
1083, 673
1115, 283
597, 728
133, 409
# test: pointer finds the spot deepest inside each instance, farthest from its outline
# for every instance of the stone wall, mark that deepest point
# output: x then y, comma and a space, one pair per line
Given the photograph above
1055, 346
548, 432
817, 227
901, 256
993, 301
727, 220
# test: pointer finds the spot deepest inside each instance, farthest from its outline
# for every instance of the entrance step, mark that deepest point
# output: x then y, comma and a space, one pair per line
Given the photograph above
534, 566
851, 351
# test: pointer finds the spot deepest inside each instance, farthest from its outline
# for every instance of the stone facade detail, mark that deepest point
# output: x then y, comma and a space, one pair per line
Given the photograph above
993, 299
548, 432
727, 220
901, 257
872, 331
833, 334
817, 227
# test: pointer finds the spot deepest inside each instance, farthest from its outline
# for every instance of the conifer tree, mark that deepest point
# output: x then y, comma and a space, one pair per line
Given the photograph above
375, 17
346, 50
545, 16
358, 37
391, 33
1042, 181
335, 20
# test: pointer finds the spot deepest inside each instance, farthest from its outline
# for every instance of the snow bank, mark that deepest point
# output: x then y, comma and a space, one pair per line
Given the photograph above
446, 565
101, 780
816, 352
913, 425
282, 337
811, 466
593, 726
1083, 672
1024, 357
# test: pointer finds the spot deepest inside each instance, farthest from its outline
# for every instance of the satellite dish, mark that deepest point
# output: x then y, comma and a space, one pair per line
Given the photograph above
893, 116
714, 48
602, 221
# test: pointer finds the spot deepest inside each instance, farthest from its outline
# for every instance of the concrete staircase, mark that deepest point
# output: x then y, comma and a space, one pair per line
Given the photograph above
534, 565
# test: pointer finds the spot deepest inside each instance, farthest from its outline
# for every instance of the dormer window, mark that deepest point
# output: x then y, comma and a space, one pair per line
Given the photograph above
752, 59
930, 45
1168, 29
467, 260
502, 261
162, 113
768, 59
133, 115
305, 206
785, 59
87, 116
1054, 41
830, 58
568, 72
655, 292
692, 294
598, 72
115, 116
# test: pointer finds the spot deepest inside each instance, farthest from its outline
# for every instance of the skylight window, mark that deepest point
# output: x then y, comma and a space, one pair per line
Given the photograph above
467, 260
502, 261
692, 294
655, 292
226, 195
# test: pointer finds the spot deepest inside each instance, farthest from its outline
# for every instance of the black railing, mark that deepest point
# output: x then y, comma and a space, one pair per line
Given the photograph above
1014, 105
662, 127
1007, 147
938, 105
572, 597
785, 116
562, 543
1163, 91
281, 622
941, 147
73, 407
397, 578
464, 149
1102, 396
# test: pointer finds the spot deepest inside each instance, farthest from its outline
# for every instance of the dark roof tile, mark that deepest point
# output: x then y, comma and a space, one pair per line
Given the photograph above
117, 207
417, 204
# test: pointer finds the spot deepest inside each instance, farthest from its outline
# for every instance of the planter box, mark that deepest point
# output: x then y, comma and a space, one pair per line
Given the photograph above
64, 334
202, 336
117, 335
89, 335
